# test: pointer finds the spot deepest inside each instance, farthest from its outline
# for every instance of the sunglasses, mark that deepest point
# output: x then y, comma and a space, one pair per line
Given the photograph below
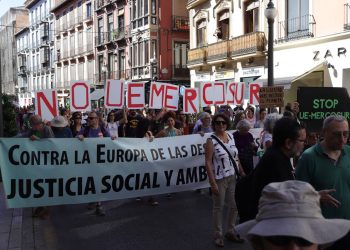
286, 240
91, 118
220, 123
77, 118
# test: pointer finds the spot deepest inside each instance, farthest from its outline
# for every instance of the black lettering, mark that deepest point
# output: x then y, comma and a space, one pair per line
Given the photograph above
10, 156
341, 51
54, 158
100, 153
117, 183
316, 55
68, 186
39, 188
127, 182
180, 177
24, 192
13, 189
90, 186
105, 183
168, 175
191, 175
146, 181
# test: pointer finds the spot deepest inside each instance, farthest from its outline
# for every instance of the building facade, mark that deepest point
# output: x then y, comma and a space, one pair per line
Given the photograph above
41, 43
227, 40
10, 23
74, 44
23, 67
312, 45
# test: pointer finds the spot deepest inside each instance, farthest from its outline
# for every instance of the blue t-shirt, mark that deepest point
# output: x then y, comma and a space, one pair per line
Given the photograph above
94, 132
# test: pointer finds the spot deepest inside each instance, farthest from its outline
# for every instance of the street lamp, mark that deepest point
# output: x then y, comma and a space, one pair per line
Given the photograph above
270, 14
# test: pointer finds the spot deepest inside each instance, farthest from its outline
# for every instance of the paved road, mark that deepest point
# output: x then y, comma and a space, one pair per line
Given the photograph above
183, 222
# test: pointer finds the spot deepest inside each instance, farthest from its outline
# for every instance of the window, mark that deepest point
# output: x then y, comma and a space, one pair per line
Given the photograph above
73, 72
201, 33
180, 54
110, 65
147, 52
81, 71
140, 55
223, 30
110, 26
100, 64
251, 16
100, 31
146, 8
121, 22
121, 60
153, 7
58, 77
298, 17
88, 10
90, 69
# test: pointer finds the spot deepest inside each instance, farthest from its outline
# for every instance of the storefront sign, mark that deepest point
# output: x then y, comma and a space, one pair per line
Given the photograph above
340, 51
316, 103
255, 71
271, 97
225, 75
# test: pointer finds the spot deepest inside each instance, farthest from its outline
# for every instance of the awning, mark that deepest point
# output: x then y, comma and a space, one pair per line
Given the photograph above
97, 94
318, 67
281, 81
253, 5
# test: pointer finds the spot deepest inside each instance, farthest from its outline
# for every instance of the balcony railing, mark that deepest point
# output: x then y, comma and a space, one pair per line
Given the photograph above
296, 28
247, 44
197, 56
347, 16
180, 71
218, 51
100, 39
181, 23
22, 70
118, 34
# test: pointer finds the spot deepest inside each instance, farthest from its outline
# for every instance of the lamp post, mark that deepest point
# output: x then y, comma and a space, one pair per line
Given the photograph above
270, 14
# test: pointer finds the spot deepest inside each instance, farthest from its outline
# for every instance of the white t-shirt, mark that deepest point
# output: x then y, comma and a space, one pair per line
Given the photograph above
113, 128
221, 161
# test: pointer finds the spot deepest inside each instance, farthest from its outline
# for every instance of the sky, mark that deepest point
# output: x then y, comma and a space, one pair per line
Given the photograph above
6, 4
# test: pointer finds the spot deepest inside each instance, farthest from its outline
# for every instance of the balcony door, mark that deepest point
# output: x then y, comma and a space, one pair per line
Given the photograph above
201, 33
180, 59
298, 18
223, 31
251, 16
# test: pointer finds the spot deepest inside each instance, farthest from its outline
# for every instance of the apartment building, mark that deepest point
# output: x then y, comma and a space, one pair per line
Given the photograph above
41, 46
23, 67
112, 38
312, 44
10, 23
227, 40
74, 44
141, 40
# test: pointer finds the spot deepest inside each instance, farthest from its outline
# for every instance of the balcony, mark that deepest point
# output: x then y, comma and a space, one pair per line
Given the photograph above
194, 3
197, 56
118, 34
218, 51
347, 16
100, 39
180, 71
248, 44
181, 23
296, 28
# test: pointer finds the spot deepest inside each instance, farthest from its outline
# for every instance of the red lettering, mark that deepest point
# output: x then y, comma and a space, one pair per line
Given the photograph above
239, 87
189, 96
51, 107
169, 96
206, 85
157, 92
231, 89
222, 86
108, 101
254, 89
131, 94
76, 85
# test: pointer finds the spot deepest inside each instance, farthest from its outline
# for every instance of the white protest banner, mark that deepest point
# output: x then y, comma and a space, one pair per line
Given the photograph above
114, 94
164, 95
254, 89
136, 95
190, 101
46, 104
219, 93
171, 98
235, 93
156, 95
80, 97
46, 172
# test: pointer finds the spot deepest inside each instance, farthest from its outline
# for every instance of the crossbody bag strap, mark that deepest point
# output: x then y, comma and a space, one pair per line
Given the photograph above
229, 155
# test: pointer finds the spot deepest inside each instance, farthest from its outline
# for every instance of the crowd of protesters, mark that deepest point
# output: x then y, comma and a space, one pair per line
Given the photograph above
227, 155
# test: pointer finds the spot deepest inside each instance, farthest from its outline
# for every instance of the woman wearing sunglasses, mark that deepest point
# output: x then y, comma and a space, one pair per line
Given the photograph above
222, 178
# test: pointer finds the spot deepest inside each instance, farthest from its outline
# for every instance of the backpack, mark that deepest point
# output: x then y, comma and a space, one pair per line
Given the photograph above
244, 198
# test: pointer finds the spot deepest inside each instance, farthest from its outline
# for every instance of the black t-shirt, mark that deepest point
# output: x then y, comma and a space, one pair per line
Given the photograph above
136, 127
274, 166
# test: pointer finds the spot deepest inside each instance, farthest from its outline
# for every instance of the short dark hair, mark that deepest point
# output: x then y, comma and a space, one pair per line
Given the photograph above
223, 116
285, 128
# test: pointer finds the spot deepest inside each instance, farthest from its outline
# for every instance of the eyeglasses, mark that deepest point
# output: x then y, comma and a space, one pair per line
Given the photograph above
340, 134
302, 141
77, 118
286, 240
220, 123
91, 118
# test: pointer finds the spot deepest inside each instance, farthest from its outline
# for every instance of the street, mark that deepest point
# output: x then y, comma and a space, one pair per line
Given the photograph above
182, 222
